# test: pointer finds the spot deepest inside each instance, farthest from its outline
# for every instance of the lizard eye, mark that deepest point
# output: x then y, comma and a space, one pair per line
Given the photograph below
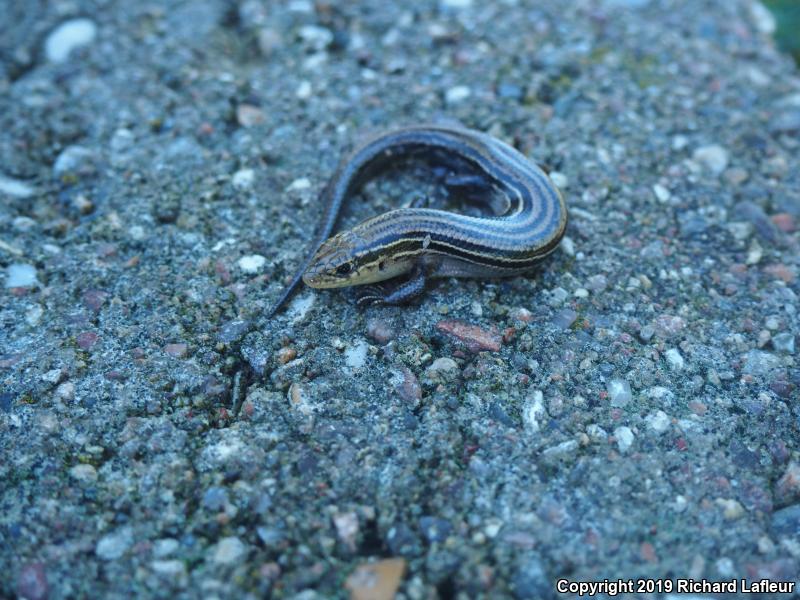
344, 269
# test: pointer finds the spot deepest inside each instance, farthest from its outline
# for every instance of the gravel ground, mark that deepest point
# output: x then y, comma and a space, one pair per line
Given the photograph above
630, 411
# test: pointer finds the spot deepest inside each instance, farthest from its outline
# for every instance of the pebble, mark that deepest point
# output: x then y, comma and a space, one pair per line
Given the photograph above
646, 333
557, 296
114, 545
248, 115
347, 528
713, 157
562, 452
783, 342
596, 433
662, 194
68, 36
380, 331
233, 331
32, 582
619, 392
171, 569
165, 547
286, 354
667, 326
20, 275
658, 421
15, 187
567, 246
564, 318
243, 179
624, 437
559, 179
731, 509
442, 370
762, 18
456, 3
83, 473
457, 94
476, 338
597, 283
76, 160
87, 340
355, 355
215, 498
65, 392
674, 359
229, 550
533, 412
787, 490
176, 350
758, 362
376, 581
251, 263
753, 213
406, 384
304, 90
315, 36
530, 580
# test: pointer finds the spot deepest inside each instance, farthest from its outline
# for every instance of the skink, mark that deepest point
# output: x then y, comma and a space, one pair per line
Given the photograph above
422, 243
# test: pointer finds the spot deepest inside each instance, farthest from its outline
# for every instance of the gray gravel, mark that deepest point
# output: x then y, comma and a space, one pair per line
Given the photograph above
630, 411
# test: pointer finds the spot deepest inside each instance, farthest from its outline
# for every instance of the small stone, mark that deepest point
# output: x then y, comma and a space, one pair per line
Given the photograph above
75, 160
662, 194
714, 157
658, 421
754, 254
68, 36
229, 550
32, 582
243, 179
315, 36
114, 545
233, 331
94, 299
674, 359
83, 473
564, 318
82, 204
87, 340
787, 490
736, 176
731, 509
783, 342
557, 296
286, 354
533, 412
176, 350
355, 355
298, 185
215, 498
65, 392
559, 179
304, 90
619, 392
442, 370
248, 115
624, 437
347, 528
165, 547
169, 569
475, 338
786, 521
456, 3
596, 433
758, 362
53, 376
457, 94
646, 333
406, 384
376, 581
15, 187
562, 452
20, 275
762, 18
667, 326
380, 331
763, 225
251, 263
581, 293
597, 283
567, 246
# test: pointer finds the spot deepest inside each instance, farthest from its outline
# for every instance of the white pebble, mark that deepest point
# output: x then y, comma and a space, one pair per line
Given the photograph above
251, 263
558, 178
304, 90
303, 183
619, 392
714, 157
662, 193
568, 246
136, 232
355, 356
457, 94
34, 315
624, 437
533, 411
243, 179
83, 473
67, 37
762, 18
229, 550
457, 3
114, 545
658, 421
15, 187
20, 275
674, 359
581, 293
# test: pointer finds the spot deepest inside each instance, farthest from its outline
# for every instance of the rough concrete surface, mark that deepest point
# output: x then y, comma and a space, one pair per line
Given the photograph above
629, 411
